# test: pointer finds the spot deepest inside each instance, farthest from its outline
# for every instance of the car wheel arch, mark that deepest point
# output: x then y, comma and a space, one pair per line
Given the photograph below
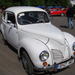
20, 53
23, 50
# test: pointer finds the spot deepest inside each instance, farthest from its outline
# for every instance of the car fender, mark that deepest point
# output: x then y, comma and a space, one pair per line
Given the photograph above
70, 39
34, 47
2, 30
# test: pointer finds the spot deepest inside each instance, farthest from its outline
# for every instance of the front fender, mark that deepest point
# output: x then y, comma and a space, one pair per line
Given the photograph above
34, 47
2, 30
70, 39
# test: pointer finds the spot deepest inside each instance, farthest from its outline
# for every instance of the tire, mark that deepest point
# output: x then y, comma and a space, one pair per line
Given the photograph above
26, 62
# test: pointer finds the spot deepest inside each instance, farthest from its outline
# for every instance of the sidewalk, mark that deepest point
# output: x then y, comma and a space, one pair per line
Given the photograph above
61, 22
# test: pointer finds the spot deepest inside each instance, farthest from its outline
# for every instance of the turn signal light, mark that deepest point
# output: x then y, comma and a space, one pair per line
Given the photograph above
45, 64
73, 53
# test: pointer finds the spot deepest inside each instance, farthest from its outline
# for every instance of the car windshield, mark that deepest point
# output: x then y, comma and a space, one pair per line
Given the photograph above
32, 17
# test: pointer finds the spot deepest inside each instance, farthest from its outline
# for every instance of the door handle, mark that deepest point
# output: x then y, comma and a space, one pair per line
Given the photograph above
10, 29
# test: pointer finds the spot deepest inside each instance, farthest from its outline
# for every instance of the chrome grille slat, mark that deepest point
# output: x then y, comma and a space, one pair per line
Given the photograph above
57, 55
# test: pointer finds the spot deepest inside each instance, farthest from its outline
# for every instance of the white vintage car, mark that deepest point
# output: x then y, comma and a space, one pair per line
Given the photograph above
40, 45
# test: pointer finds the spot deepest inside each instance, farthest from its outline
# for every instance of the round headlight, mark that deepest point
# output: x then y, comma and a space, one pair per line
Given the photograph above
44, 56
74, 46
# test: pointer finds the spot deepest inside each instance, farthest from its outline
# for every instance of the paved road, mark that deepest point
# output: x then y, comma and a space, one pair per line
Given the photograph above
10, 65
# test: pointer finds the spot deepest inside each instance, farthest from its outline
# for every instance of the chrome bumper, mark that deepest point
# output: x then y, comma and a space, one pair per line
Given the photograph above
56, 67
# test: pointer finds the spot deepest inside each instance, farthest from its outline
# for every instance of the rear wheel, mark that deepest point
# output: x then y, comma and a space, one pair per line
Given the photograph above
26, 62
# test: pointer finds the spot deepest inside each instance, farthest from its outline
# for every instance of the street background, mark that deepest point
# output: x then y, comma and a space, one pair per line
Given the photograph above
9, 63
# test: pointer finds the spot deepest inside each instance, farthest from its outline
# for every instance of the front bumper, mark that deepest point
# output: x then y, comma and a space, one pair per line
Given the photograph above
56, 67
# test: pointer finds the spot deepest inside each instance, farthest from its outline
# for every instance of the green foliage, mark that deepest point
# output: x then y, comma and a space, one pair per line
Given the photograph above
36, 2
58, 2
8, 3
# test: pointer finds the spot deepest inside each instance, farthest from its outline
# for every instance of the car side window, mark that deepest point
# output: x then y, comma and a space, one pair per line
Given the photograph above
11, 18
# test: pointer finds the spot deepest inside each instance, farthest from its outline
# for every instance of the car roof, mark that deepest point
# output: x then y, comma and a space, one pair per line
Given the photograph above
18, 9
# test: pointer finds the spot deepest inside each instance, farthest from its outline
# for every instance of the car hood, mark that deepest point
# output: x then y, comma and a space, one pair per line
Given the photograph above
46, 30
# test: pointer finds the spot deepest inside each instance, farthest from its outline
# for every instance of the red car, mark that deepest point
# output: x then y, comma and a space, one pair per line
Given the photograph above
58, 11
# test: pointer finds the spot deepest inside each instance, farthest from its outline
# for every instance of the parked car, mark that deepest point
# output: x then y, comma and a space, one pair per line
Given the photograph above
58, 11
41, 46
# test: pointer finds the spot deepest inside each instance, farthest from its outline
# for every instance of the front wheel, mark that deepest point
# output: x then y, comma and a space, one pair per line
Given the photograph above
26, 62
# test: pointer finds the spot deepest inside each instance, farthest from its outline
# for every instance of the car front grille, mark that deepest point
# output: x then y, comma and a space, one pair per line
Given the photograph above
57, 56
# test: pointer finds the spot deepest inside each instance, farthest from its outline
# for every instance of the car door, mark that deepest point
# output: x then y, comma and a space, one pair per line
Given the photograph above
11, 30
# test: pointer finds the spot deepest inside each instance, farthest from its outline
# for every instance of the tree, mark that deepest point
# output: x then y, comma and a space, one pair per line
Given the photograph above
58, 2
5, 3
46, 2
36, 2
8, 3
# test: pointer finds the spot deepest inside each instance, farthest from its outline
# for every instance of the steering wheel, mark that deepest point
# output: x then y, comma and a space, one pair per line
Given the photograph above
27, 21
40, 21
